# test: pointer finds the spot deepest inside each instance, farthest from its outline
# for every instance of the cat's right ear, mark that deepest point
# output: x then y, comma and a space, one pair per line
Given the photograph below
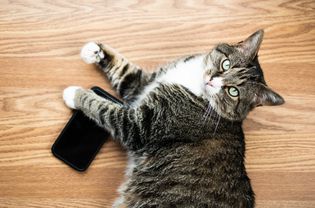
266, 96
250, 46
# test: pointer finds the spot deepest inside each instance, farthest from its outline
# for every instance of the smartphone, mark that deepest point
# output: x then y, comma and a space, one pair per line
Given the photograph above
81, 138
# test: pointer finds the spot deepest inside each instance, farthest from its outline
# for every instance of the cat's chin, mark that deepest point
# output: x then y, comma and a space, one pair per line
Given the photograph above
212, 90
212, 85
210, 99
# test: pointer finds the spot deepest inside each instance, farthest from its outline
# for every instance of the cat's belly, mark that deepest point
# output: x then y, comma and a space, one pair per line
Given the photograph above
189, 74
189, 175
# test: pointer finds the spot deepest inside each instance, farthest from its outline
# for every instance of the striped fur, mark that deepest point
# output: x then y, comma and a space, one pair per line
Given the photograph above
126, 78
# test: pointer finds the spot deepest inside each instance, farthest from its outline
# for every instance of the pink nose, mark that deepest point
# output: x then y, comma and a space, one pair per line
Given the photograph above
215, 82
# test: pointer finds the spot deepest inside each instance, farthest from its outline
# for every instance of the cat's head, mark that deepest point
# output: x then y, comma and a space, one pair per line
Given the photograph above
234, 80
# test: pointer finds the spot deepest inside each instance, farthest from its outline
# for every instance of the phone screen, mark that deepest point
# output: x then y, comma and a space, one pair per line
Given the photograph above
81, 139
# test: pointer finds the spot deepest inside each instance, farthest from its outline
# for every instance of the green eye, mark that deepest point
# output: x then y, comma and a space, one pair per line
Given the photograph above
226, 64
233, 91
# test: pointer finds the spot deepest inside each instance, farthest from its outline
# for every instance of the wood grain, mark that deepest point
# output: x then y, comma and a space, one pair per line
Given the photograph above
39, 47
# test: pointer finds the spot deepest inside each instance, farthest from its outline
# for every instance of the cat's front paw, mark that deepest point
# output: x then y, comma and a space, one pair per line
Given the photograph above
92, 53
69, 95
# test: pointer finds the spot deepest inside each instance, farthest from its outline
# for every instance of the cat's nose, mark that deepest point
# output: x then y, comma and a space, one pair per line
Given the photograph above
216, 82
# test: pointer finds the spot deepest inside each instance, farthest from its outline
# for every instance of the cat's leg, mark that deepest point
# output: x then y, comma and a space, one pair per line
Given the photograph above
126, 78
121, 121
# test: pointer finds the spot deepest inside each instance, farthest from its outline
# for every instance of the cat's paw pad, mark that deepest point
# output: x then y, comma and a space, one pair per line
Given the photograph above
69, 95
92, 53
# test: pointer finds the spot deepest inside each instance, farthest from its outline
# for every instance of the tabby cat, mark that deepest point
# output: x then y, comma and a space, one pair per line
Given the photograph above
181, 124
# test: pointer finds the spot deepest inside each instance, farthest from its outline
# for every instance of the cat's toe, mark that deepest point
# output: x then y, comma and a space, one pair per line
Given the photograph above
69, 95
92, 53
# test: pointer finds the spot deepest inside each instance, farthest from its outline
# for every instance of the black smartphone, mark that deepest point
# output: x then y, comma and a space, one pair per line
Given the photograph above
81, 139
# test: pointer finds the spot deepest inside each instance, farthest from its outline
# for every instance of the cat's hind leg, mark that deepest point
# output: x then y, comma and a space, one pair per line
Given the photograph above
126, 78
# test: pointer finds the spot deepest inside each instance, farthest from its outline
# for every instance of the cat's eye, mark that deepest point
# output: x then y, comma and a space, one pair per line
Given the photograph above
226, 64
233, 91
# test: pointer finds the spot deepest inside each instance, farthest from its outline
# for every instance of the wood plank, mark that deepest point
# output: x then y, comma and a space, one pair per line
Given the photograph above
55, 203
283, 43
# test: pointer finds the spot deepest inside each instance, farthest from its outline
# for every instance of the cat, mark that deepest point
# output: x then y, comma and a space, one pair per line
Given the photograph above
181, 124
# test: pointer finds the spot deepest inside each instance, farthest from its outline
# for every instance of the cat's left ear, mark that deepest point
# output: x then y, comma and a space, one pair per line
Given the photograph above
251, 45
266, 96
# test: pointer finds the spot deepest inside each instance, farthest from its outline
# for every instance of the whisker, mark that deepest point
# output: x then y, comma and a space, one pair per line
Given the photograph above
208, 111
219, 117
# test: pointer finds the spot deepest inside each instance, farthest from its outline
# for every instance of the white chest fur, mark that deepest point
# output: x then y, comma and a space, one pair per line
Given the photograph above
188, 74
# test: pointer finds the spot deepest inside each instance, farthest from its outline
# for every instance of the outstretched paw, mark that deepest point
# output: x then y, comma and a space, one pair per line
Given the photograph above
92, 53
69, 95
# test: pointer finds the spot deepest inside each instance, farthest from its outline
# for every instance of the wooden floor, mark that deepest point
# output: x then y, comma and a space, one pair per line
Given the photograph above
39, 57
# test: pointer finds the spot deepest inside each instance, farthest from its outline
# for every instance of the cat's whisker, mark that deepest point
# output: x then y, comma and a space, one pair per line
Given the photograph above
205, 114
208, 111
216, 126
211, 113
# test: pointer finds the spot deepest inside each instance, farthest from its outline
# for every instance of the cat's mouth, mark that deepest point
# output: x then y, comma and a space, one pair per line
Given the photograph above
214, 82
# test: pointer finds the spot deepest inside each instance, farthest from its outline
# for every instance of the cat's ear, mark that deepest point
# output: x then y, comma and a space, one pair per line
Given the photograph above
251, 45
266, 96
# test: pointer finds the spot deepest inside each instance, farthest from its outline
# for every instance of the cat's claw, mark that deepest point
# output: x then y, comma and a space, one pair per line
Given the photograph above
92, 53
69, 95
